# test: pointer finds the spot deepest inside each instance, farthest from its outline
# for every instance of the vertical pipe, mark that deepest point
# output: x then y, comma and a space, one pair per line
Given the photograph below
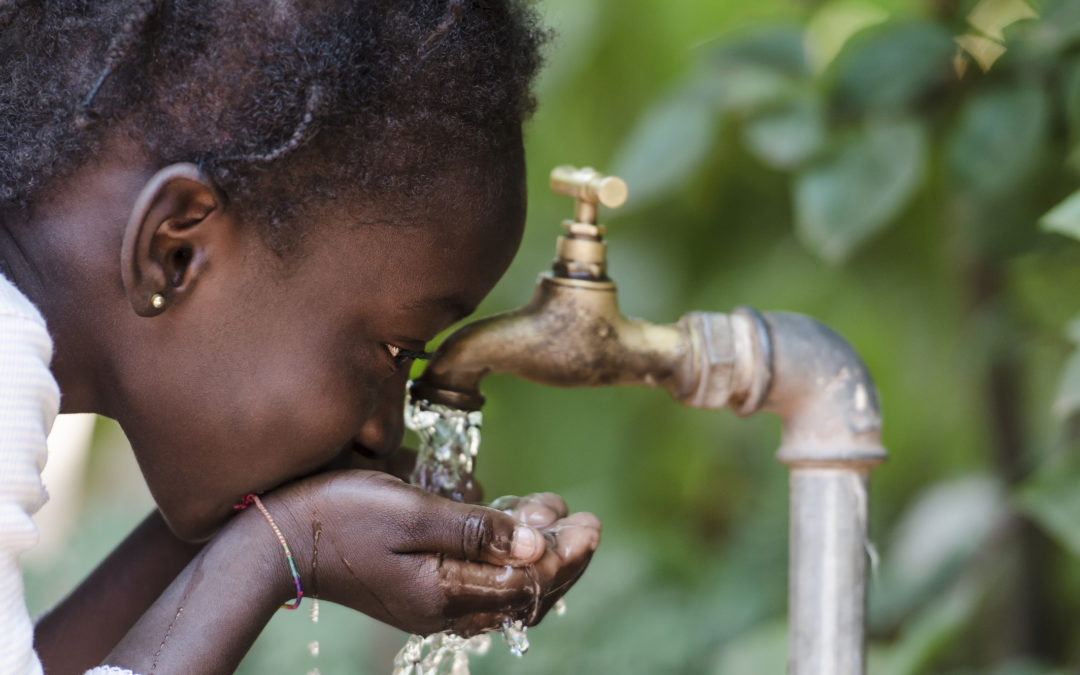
827, 577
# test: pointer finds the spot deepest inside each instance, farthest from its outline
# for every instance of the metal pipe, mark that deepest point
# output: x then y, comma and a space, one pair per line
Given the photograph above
827, 573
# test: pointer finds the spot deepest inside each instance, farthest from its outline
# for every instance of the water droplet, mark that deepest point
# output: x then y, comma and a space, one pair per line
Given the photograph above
461, 664
479, 644
516, 640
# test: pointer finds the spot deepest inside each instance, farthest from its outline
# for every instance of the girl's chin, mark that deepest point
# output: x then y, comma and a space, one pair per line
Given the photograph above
197, 525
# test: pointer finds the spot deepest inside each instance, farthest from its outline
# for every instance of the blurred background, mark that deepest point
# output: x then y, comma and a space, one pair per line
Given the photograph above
899, 169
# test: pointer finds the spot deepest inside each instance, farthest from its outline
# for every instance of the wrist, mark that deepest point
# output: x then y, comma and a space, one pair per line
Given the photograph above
264, 554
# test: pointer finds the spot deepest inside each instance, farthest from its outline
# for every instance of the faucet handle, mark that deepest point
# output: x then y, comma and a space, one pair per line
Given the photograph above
589, 187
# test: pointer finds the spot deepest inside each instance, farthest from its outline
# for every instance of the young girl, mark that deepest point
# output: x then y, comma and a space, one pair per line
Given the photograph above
231, 225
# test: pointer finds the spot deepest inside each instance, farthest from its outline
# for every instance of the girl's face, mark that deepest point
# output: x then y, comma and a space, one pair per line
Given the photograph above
267, 372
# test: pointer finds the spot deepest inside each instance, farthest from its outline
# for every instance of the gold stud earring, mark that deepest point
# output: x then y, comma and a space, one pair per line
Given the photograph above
157, 301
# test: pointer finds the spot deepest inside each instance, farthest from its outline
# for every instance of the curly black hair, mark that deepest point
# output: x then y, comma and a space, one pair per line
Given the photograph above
385, 93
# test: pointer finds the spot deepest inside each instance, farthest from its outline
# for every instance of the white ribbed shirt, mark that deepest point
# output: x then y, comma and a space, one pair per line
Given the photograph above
29, 402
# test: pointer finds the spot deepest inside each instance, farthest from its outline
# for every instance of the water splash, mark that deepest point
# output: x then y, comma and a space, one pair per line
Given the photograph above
516, 640
439, 654
449, 441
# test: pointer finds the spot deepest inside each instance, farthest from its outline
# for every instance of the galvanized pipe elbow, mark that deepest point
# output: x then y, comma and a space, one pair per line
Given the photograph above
822, 391
793, 366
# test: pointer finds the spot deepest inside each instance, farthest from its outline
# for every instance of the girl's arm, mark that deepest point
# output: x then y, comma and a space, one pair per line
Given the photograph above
79, 632
367, 541
211, 613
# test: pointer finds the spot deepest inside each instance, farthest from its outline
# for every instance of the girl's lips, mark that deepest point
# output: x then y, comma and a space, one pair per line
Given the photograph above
365, 451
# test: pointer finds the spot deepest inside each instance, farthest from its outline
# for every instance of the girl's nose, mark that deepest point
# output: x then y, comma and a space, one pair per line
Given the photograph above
381, 434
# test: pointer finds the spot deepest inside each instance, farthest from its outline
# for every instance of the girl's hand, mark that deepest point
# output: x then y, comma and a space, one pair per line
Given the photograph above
422, 563
547, 512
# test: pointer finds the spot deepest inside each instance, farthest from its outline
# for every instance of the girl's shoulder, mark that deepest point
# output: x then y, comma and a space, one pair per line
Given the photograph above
14, 304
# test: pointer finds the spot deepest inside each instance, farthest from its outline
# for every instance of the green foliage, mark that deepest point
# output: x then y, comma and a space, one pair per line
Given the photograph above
673, 139
997, 140
891, 66
850, 196
787, 134
1051, 498
1065, 217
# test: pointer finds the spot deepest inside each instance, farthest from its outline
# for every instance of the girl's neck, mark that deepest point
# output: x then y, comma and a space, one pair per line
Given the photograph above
63, 254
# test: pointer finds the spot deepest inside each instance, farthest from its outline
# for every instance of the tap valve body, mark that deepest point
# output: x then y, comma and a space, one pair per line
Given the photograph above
581, 253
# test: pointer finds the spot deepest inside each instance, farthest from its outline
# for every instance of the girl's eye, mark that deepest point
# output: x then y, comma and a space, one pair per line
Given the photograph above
402, 355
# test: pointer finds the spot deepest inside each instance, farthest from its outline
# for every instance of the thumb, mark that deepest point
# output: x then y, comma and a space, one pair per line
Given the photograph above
472, 532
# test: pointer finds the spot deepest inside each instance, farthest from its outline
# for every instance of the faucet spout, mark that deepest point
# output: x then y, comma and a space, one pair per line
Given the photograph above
571, 334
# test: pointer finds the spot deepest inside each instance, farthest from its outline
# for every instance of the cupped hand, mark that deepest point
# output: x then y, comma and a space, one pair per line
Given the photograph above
565, 534
423, 563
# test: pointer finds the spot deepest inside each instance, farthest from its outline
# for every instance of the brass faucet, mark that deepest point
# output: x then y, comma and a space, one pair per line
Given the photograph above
572, 334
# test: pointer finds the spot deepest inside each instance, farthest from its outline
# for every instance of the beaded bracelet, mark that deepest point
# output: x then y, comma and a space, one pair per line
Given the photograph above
247, 501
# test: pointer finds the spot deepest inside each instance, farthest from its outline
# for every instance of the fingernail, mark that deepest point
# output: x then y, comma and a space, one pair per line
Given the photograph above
527, 543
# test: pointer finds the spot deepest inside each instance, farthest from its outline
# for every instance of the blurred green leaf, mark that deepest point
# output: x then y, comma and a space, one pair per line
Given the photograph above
847, 198
1067, 400
669, 143
1052, 496
756, 69
1072, 330
998, 140
938, 625
892, 65
779, 48
788, 134
741, 88
985, 51
1059, 27
834, 23
1070, 82
947, 524
1064, 218
992, 17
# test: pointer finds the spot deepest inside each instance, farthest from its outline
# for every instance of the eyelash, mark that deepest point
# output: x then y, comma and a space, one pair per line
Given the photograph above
401, 355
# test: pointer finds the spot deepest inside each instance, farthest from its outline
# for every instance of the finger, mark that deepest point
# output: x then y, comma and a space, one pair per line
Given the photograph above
540, 510
551, 500
474, 624
468, 592
471, 532
573, 535
571, 543
476, 588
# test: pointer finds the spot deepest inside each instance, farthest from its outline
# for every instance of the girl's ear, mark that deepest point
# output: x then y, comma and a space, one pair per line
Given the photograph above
168, 236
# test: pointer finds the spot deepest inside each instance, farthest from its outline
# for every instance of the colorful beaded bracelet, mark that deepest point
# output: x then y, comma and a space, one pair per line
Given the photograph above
247, 501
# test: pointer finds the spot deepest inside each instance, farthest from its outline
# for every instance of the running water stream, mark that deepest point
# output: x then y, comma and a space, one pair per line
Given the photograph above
449, 441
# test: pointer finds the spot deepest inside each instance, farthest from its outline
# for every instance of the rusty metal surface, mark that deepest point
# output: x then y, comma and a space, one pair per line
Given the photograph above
571, 334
